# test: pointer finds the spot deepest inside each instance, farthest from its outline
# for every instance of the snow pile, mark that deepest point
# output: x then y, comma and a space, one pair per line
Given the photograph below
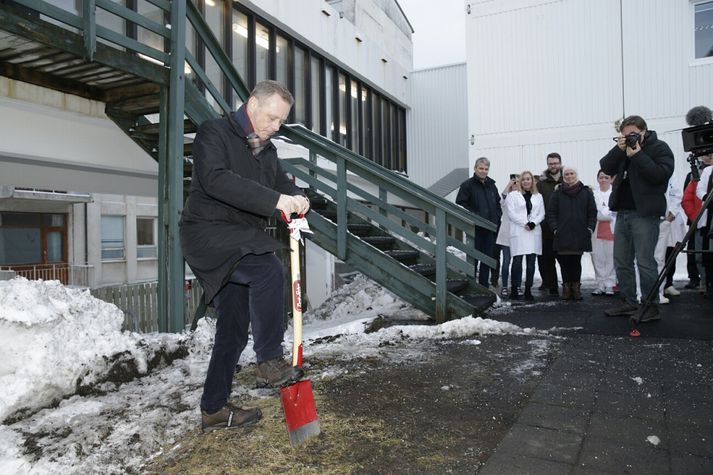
54, 339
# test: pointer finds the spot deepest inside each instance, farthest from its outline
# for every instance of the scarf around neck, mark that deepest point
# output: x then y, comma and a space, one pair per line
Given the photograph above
572, 190
256, 145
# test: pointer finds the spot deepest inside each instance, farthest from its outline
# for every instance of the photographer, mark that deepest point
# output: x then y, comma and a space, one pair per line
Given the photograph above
643, 165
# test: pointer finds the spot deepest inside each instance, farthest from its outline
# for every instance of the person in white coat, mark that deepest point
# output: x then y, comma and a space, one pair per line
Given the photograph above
703, 189
526, 210
503, 239
603, 238
671, 231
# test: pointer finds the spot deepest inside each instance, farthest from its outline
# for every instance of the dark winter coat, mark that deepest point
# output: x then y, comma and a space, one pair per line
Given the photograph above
572, 219
648, 171
232, 194
481, 198
546, 185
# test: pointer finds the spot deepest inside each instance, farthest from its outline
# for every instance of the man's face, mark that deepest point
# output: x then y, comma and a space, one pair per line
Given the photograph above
267, 115
553, 165
481, 170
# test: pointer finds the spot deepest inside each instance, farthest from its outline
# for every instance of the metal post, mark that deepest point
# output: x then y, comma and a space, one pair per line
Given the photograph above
89, 18
171, 268
342, 216
441, 267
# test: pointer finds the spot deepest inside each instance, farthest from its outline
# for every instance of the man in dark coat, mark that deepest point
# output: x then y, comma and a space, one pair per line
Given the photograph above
237, 184
546, 184
480, 196
643, 165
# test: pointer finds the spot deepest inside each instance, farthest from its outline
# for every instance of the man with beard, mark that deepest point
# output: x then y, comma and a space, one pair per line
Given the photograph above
548, 181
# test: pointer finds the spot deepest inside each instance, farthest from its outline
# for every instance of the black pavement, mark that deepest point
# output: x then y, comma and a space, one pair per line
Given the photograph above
612, 403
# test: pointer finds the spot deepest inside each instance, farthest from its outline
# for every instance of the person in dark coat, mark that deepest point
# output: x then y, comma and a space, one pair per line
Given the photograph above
480, 196
643, 165
546, 184
237, 184
572, 216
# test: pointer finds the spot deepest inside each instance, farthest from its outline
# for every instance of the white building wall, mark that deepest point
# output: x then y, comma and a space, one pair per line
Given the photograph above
437, 123
554, 75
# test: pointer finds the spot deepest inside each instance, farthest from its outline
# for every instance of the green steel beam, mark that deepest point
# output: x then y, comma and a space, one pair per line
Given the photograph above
171, 266
89, 15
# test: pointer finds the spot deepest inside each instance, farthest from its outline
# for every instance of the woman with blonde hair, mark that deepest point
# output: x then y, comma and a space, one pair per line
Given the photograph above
526, 210
572, 215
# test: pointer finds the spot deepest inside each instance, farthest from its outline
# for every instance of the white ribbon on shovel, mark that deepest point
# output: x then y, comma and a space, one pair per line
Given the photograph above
297, 226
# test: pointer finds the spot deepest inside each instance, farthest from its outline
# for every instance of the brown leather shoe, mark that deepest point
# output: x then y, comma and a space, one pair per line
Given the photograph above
229, 416
277, 372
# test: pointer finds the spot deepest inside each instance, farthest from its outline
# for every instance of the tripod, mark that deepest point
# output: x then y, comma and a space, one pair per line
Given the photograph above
646, 303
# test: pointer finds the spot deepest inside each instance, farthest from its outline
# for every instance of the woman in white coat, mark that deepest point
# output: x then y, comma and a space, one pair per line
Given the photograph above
526, 210
603, 238
671, 231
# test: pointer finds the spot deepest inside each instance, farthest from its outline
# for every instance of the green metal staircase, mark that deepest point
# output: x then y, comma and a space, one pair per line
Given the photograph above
362, 212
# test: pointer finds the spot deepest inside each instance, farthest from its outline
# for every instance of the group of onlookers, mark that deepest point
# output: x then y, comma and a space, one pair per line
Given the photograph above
630, 222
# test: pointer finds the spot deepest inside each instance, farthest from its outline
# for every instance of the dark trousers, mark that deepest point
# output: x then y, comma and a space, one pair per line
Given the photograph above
571, 266
672, 270
546, 264
253, 296
485, 243
691, 265
516, 273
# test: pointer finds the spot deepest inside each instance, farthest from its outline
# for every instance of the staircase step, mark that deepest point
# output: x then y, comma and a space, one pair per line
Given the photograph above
151, 130
426, 270
360, 229
456, 285
379, 242
404, 256
139, 105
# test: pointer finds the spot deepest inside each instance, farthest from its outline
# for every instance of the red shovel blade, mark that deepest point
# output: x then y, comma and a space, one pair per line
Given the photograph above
300, 412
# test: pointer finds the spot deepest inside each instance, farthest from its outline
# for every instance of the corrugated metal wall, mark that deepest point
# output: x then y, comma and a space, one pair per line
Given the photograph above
437, 123
553, 75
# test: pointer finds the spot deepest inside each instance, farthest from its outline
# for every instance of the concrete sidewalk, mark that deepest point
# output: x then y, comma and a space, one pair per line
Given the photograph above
610, 403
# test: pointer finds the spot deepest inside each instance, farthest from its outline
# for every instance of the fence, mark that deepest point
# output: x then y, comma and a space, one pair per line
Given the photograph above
139, 302
74, 275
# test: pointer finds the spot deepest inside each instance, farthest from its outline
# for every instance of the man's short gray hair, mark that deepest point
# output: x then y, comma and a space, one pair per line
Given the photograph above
265, 89
482, 160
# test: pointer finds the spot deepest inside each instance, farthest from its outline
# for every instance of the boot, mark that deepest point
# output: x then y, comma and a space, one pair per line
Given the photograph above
528, 294
576, 290
709, 289
566, 291
276, 373
514, 293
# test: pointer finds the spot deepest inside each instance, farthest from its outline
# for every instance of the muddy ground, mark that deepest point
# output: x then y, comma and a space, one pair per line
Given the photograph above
425, 407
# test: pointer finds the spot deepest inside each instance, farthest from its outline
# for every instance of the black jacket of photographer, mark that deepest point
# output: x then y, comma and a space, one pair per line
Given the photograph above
647, 171
232, 195
481, 198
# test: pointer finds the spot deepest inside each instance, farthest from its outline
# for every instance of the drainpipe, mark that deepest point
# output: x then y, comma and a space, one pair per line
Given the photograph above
621, 49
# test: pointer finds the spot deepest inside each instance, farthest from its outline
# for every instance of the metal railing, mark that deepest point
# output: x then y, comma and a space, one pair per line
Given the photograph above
73, 275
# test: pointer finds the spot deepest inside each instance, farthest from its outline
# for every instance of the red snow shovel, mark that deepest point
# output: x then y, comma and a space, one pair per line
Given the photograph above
297, 399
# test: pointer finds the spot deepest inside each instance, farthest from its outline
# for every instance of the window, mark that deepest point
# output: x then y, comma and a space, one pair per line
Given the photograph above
342, 105
112, 238
316, 86
704, 29
146, 238
32, 238
300, 91
240, 47
262, 51
283, 64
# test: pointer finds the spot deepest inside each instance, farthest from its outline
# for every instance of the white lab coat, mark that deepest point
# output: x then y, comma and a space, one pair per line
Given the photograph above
523, 241
603, 250
701, 191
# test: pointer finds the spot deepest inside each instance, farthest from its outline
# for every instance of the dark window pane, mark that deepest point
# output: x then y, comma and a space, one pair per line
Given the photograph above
300, 93
366, 123
316, 89
329, 101
354, 100
704, 29
342, 109
282, 52
376, 129
145, 231
262, 49
20, 245
240, 48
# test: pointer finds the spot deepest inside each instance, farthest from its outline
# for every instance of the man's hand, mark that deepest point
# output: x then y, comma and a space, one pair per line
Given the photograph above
630, 152
289, 204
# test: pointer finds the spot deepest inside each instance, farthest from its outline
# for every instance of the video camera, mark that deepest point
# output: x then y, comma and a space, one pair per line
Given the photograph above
698, 139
